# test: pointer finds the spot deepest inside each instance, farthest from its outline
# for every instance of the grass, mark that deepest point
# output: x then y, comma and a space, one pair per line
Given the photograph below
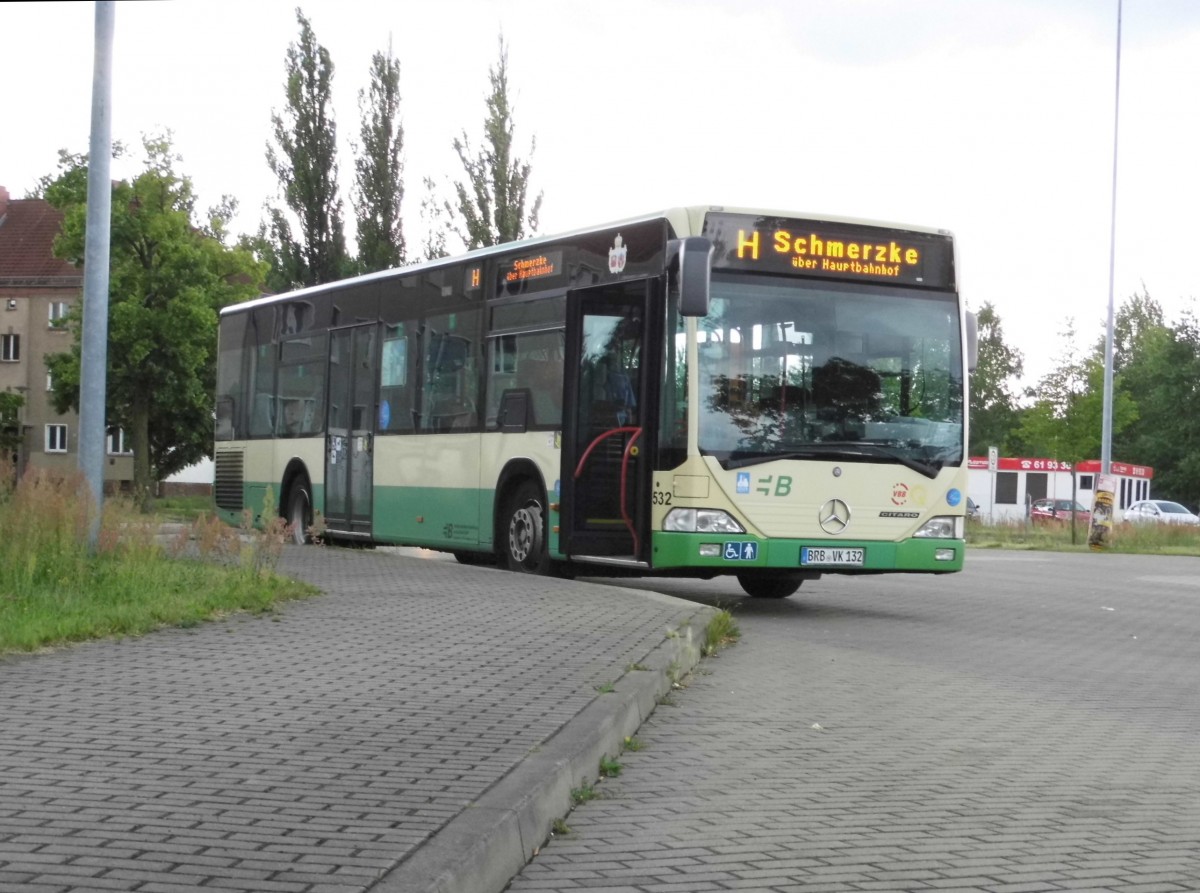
54, 590
183, 508
583, 794
721, 631
1147, 539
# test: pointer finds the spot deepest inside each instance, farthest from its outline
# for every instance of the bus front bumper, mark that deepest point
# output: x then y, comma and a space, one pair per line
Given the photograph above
734, 554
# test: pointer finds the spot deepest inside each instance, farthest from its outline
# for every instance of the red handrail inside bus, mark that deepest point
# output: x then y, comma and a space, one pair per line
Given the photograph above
627, 429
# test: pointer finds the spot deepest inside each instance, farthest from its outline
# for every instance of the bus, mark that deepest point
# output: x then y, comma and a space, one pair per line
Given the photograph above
700, 392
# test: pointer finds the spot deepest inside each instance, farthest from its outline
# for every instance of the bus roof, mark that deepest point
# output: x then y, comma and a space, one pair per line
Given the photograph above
685, 221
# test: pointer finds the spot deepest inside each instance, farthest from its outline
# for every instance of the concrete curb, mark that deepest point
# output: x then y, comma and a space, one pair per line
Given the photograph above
486, 845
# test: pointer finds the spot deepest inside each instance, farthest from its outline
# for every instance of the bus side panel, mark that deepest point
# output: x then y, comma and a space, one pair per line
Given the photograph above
427, 491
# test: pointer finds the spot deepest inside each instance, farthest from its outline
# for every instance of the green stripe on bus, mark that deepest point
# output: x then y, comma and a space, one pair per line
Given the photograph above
682, 550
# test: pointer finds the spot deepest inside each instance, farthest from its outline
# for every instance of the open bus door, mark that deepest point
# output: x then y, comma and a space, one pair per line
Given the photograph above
350, 429
608, 431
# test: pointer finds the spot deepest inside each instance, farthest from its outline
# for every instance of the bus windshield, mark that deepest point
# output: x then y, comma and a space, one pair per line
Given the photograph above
800, 369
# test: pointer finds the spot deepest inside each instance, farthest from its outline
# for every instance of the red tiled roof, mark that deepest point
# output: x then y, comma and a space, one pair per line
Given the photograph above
27, 234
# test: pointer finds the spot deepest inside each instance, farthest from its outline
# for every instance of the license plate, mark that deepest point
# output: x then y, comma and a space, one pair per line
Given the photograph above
832, 556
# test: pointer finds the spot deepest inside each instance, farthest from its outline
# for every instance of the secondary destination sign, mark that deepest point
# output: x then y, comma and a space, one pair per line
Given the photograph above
830, 250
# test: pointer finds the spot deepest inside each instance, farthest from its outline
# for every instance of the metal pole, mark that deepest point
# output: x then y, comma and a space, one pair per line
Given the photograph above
94, 346
1106, 433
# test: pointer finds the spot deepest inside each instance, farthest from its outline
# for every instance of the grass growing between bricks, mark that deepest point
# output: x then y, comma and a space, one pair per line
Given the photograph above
55, 590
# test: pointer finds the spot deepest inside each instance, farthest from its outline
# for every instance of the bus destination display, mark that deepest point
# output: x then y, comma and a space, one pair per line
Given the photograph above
841, 251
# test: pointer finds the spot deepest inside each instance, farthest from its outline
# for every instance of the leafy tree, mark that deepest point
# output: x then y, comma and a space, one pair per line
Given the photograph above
1135, 320
305, 163
1066, 418
10, 425
1162, 378
994, 411
168, 277
433, 214
490, 206
379, 182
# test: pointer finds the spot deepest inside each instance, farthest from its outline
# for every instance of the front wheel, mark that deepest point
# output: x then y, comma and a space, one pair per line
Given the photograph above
768, 587
524, 547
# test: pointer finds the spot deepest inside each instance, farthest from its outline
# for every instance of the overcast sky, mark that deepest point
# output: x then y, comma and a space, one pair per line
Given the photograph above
990, 118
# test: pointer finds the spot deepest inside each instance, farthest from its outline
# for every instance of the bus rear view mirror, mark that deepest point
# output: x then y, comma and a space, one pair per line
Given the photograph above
691, 261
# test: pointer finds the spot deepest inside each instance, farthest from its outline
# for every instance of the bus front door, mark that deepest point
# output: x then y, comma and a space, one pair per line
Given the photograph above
350, 430
606, 441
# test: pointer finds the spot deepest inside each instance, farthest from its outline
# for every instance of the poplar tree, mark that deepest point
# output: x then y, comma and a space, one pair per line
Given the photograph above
490, 207
304, 160
379, 170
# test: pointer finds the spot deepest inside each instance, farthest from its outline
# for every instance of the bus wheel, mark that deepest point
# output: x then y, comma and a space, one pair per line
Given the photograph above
299, 514
768, 587
525, 531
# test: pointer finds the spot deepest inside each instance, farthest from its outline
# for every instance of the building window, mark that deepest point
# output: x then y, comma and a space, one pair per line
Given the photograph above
11, 348
118, 443
49, 381
1006, 488
56, 438
58, 311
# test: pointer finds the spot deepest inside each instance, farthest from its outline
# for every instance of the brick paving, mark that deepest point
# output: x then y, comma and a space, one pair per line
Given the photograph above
1029, 725
306, 752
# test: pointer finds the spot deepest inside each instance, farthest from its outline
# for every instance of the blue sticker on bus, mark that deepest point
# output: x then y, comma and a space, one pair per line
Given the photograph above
743, 482
741, 551
953, 496
385, 415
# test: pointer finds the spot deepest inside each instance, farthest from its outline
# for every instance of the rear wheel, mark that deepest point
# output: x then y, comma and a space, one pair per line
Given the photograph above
299, 514
524, 546
768, 587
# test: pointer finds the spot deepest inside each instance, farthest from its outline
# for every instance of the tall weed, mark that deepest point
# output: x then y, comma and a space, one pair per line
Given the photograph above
54, 588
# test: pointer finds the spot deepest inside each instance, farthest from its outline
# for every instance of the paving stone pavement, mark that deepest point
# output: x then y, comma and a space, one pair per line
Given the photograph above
323, 749
909, 733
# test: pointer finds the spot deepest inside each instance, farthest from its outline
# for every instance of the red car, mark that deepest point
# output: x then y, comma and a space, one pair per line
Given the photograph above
1057, 511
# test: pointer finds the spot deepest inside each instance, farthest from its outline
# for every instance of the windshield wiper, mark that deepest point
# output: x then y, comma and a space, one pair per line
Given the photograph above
843, 450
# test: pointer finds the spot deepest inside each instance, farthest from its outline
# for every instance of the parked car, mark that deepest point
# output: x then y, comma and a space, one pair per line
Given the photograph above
972, 509
1159, 511
1048, 511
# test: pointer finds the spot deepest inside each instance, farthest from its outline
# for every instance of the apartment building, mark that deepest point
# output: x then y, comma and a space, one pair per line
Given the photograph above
36, 289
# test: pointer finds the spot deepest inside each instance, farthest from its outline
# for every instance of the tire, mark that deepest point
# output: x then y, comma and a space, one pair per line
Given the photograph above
768, 587
523, 548
299, 515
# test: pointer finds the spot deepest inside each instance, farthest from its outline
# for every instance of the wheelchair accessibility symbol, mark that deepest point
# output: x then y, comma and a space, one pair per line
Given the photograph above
741, 551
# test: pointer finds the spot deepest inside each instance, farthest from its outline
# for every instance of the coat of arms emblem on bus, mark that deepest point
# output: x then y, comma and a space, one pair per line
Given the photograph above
616, 256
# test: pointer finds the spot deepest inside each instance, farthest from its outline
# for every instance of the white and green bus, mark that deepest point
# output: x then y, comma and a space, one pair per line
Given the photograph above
700, 392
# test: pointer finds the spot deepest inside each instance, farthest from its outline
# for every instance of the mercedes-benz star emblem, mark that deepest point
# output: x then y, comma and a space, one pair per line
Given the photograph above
834, 517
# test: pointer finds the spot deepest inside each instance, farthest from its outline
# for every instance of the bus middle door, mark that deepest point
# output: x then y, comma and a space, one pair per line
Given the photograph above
607, 443
350, 430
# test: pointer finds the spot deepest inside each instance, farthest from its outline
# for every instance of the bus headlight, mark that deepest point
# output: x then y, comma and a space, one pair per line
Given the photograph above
943, 527
701, 521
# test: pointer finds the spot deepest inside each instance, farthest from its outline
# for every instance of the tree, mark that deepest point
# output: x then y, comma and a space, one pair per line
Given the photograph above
1137, 318
379, 171
994, 411
490, 206
1066, 418
305, 164
433, 215
10, 427
168, 277
1161, 376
